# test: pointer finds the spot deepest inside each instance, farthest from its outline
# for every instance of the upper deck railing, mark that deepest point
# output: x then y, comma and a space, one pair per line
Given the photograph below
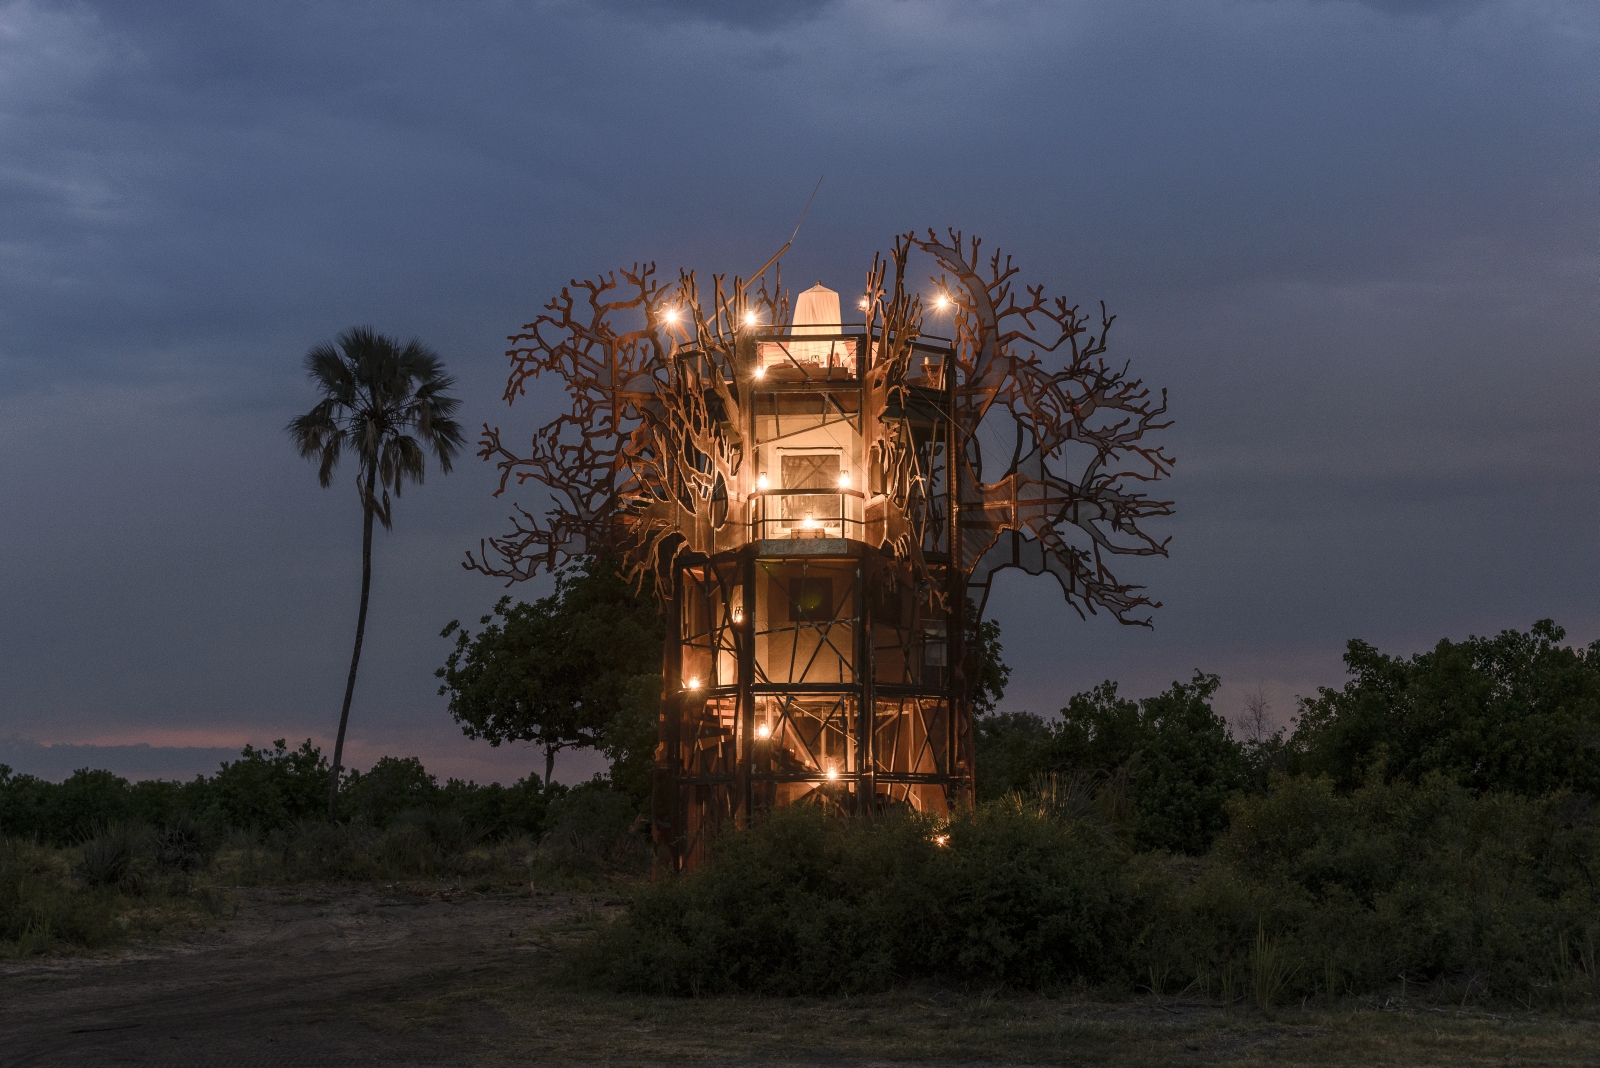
846, 351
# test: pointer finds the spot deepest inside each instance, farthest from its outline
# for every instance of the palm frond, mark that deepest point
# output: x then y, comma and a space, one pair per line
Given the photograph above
386, 404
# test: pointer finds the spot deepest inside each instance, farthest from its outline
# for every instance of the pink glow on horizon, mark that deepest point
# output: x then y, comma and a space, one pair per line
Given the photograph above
445, 755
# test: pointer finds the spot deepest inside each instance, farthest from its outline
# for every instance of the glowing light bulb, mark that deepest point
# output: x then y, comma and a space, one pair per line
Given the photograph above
941, 840
833, 772
694, 682
738, 615
749, 318
760, 370
761, 482
942, 302
864, 304
844, 480
672, 315
808, 522
763, 731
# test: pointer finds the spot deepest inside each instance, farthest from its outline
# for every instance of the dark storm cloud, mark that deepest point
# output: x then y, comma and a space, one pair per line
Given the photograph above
1353, 240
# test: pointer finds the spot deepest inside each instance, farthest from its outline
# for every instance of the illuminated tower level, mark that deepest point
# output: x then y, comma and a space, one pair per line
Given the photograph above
817, 502
815, 661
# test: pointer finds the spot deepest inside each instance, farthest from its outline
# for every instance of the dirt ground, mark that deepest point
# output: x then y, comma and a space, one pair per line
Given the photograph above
293, 978
402, 976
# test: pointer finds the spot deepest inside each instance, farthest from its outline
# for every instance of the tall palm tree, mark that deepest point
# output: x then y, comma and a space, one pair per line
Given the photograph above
387, 406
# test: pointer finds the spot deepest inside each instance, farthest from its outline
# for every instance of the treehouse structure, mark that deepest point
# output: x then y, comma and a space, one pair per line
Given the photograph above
816, 661
808, 496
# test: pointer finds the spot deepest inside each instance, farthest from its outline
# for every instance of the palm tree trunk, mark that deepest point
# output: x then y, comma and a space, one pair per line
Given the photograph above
355, 657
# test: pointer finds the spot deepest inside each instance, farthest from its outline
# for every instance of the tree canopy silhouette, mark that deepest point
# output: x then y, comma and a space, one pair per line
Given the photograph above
581, 667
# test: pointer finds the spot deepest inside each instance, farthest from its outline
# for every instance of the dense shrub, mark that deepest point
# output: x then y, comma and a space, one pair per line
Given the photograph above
25, 805
266, 790
62, 813
159, 802
1181, 765
806, 903
184, 844
1516, 712
86, 800
394, 785
271, 788
502, 810
593, 830
1309, 893
1039, 902
1184, 766
1431, 880
1012, 748
801, 903
109, 857
41, 907
103, 891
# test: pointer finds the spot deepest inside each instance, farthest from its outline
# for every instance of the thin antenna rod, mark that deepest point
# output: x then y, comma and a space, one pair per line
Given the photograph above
809, 199
789, 242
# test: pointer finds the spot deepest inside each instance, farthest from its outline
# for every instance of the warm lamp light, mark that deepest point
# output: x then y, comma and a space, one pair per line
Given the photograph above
763, 731
833, 772
694, 682
809, 522
749, 318
941, 840
738, 615
942, 302
760, 370
672, 315
844, 480
864, 304
761, 482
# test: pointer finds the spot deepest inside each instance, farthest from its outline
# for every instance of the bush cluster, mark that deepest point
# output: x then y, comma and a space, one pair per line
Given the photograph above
96, 859
264, 790
1430, 824
122, 882
1308, 893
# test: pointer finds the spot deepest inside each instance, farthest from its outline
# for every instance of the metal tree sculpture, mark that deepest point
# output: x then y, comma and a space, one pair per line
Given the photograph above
644, 449
1088, 414
648, 455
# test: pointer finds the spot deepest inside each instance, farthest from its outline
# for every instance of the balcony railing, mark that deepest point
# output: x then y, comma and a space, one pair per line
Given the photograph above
844, 354
806, 513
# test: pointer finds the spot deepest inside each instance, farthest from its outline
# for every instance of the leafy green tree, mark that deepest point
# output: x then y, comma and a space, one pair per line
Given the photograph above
1180, 765
581, 667
393, 785
268, 788
1517, 712
387, 405
1183, 765
1012, 747
88, 799
65, 812
987, 673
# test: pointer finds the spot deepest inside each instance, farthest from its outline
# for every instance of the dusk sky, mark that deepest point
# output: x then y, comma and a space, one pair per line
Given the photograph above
1355, 241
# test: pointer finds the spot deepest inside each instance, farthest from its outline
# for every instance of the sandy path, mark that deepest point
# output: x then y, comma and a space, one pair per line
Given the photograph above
287, 981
